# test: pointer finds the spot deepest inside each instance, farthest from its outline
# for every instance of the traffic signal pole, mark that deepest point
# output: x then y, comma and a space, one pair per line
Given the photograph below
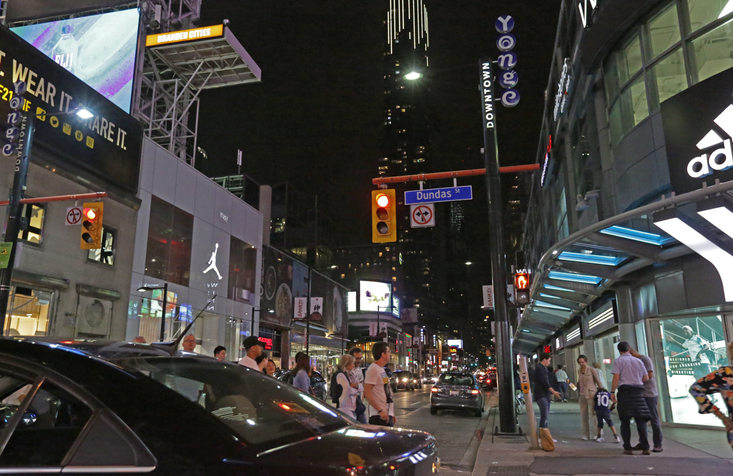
22, 162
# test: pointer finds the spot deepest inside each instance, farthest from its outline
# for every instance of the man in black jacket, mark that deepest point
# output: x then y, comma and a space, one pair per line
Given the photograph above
543, 388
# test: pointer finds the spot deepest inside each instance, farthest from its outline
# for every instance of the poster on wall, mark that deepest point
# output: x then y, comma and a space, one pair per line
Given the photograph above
334, 302
281, 282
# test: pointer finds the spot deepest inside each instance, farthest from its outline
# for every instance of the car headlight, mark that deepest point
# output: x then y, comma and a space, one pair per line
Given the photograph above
404, 380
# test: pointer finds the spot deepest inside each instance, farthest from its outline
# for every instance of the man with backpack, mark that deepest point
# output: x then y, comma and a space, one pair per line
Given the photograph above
343, 391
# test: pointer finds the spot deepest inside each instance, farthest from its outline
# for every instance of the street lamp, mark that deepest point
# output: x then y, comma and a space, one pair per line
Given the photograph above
412, 76
165, 303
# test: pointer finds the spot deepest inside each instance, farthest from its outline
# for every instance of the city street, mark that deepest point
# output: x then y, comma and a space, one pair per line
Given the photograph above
458, 432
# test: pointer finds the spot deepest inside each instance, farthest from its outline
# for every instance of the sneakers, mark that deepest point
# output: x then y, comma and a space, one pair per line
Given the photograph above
564, 401
646, 452
584, 438
600, 439
657, 449
618, 440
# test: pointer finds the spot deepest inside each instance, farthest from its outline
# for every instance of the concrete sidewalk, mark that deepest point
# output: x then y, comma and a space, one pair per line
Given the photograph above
686, 451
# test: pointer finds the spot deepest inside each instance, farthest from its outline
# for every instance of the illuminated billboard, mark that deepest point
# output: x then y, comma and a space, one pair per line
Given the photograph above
351, 300
375, 296
458, 343
98, 49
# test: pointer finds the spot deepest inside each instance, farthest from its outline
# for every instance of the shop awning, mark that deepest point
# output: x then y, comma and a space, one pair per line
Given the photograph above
580, 268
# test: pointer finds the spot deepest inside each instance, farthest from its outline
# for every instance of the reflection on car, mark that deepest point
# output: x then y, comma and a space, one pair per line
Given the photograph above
109, 407
457, 390
318, 383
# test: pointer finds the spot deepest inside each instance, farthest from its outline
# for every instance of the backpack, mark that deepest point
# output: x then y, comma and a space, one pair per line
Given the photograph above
336, 389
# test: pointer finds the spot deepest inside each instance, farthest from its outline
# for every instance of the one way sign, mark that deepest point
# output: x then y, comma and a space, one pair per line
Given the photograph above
422, 215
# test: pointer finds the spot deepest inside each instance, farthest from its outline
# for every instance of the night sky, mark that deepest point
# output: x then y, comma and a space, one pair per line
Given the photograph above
316, 118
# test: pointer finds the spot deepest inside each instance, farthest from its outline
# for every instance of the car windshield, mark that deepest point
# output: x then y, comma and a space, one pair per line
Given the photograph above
455, 379
261, 410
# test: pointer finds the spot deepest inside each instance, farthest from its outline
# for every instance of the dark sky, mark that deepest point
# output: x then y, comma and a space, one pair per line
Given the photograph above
316, 118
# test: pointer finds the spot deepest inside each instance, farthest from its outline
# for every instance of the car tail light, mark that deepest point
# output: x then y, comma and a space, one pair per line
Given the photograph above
474, 392
435, 389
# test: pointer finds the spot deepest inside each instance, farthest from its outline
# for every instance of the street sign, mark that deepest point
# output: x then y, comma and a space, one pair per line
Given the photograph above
488, 296
73, 216
5, 249
316, 308
299, 311
422, 216
435, 195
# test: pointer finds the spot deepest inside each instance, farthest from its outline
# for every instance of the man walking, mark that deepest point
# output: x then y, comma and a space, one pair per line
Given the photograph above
651, 396
253, 348
561, 378
357, 375
629, 376
377, 390
543, 388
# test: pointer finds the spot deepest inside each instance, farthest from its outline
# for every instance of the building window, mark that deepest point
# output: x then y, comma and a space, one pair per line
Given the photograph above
714, 51
106, 254
242, 270
170, 232
34, 214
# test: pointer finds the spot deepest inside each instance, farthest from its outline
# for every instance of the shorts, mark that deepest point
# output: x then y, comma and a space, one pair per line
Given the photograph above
603, 414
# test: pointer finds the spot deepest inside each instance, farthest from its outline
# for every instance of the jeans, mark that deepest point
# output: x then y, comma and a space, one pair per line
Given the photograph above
544, 404
651, 402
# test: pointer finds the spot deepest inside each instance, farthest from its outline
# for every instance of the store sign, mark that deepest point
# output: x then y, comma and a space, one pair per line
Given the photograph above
586, 8
698, 129
267, 341
563, 89
185, 35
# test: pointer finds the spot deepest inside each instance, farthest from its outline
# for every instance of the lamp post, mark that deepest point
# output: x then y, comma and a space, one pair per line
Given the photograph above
165, 304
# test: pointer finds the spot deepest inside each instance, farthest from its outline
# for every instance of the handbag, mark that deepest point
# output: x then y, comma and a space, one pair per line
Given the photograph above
546, 441
360, 407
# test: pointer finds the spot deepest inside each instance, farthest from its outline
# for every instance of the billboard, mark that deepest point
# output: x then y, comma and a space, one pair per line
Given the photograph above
20, 10
106, 146
375, 296
457, 343
352, 301
98, 49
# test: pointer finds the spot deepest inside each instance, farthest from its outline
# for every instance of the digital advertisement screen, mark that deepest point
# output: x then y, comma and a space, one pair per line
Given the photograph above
351, 301
455, 343
396, 306
375, 296
98, 49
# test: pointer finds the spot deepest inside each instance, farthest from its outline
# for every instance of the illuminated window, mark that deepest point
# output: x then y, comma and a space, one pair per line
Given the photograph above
106, 254
394, 278
343, 276
34, 215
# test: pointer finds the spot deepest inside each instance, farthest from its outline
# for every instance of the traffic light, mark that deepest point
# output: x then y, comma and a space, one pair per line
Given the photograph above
521, 286
91, 226
384, 216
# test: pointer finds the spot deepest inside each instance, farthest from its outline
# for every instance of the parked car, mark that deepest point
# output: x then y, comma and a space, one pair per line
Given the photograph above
458, 390
118, 407
318, 383
403, 380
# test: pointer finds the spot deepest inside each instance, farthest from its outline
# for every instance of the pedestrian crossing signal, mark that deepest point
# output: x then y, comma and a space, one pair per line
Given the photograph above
384, 219
91, 226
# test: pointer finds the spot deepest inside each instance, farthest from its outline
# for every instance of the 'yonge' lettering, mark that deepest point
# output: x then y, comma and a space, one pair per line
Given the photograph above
488, 96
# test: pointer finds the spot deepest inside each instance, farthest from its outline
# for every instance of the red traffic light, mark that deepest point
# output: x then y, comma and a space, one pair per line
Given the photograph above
521, 281
383, 200
90, 214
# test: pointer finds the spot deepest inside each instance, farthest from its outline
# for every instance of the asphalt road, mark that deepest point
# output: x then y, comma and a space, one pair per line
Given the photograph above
458, 432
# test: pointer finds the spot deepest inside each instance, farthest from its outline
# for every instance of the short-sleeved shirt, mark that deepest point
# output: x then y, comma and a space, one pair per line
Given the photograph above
560, 375
695, 344
630, 370
602, 401
650, 386
381, 392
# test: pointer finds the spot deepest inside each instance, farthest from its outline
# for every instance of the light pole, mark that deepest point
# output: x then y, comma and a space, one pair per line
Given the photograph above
165, 304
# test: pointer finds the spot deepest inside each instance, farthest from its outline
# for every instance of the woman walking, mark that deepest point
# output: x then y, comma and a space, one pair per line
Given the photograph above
588, 385
720, 381
347, 399
302, 372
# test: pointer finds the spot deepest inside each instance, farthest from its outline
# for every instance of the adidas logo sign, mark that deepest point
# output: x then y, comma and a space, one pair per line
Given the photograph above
719, 159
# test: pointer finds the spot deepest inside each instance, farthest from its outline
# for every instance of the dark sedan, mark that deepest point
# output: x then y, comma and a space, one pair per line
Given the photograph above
457, 390
116, 407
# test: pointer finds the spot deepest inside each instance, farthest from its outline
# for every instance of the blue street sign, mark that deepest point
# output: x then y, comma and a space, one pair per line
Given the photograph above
433, 195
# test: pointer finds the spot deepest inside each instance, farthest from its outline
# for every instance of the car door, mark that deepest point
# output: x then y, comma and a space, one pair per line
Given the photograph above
49, 426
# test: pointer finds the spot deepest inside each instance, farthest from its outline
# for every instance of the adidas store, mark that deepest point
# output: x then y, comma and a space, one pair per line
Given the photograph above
633, 205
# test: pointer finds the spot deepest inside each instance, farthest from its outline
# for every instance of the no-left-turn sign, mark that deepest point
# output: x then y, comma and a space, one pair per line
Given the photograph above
422, 216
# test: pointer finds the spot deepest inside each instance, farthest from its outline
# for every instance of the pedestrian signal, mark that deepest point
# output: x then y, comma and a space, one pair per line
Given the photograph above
91, 226
521, 281
384, 219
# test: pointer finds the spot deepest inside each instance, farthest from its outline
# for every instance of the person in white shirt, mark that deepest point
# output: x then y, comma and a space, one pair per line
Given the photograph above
377, 390
349, 391
357, 375
253, 347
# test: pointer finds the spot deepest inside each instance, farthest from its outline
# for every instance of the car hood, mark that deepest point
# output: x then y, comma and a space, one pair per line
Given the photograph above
356, 446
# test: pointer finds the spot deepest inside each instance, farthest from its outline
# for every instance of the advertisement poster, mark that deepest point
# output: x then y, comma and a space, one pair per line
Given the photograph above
375, 296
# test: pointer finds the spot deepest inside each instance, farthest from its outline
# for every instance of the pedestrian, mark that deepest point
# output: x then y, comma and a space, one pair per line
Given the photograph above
139, 340
601, 404
302, 373
588, 384
377, 390
601, 376
651, 396
220, 352
357, 375
543, 388
261, 361
252, 348
698, 349
720, 381
270, 369
343, 389
189, 343
562, 380
629, 376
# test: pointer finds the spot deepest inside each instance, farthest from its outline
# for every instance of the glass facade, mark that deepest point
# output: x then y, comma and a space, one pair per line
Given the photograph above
242, 270
29, 312
170, 233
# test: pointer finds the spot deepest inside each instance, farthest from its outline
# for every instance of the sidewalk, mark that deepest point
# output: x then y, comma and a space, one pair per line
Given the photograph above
686, 451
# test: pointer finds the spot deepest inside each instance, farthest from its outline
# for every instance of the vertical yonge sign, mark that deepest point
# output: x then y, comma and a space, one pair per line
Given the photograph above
585, 11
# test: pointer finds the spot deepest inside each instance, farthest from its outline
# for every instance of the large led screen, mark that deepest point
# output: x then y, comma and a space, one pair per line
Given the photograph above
98, 49
375, 296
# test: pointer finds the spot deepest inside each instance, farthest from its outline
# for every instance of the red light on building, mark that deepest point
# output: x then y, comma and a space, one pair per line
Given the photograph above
267, 341
547, 349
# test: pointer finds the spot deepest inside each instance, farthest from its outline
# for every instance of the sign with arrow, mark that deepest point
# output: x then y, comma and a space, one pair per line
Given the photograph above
73, 216
422, 216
